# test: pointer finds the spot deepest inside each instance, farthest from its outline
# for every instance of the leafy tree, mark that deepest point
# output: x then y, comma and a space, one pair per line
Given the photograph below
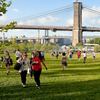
91, 41
3, 6
8, 26
97, 40
3, 9
97, 48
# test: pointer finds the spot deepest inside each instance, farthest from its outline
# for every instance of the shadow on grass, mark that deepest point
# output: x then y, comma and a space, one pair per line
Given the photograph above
71, 72
85, 90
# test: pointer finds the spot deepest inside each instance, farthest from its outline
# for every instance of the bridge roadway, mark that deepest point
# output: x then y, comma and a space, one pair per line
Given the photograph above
49, 37
54, 28
36, 38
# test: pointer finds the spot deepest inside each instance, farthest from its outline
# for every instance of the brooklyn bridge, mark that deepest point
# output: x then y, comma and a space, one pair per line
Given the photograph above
77, 28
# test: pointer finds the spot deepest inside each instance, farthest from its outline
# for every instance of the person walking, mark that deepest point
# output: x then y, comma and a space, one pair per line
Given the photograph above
25, 64
64, 60
7, 61
18, 54
37, 68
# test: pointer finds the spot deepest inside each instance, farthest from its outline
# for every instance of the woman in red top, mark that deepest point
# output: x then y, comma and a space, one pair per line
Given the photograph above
78, 54
37, 68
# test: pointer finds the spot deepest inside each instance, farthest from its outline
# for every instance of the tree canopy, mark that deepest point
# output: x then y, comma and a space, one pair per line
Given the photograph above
3, 9
3, 6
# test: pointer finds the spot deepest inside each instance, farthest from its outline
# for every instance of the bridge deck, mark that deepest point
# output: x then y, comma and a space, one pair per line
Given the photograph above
54, 28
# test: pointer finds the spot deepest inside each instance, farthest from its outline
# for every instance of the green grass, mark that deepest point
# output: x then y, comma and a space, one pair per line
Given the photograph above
78, 82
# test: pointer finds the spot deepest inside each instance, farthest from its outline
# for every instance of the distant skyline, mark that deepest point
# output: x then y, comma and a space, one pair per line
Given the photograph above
24, 11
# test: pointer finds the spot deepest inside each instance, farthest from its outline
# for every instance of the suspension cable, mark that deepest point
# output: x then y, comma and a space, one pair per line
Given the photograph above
55, 11
92, 10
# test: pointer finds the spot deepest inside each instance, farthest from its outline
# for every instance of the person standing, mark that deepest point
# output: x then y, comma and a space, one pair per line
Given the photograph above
79, 54
70, 54
84, 57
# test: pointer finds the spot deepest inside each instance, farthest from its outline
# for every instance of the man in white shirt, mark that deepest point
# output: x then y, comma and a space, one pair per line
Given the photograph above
18, 54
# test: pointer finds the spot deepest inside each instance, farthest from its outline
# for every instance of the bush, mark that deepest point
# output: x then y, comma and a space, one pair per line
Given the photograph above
97, 48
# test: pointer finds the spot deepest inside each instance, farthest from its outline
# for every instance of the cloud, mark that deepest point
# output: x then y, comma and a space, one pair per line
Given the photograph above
15, 10
3, 18
91, 17
42, 20
69, 22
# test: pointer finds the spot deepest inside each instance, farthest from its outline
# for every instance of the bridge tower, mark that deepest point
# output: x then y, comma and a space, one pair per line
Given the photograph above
46, 40
77, 25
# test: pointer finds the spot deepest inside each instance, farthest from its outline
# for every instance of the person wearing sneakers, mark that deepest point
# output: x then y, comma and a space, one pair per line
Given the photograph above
37, 68
25, 64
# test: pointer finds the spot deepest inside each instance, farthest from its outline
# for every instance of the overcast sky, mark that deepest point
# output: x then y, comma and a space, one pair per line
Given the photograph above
25, 12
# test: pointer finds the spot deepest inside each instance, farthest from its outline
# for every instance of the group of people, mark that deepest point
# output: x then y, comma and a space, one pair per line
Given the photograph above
33, 65
65, 57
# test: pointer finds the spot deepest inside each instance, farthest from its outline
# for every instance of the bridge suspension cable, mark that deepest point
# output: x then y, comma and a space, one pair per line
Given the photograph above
91, 17
92, 10
51, 12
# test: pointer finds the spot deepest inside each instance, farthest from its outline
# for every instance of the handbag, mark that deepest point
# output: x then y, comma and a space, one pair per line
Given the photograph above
17, 66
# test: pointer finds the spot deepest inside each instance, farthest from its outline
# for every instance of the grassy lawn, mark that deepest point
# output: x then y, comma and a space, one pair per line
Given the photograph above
78, 82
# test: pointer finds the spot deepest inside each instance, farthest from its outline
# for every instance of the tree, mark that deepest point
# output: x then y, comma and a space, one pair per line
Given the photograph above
97, 40
3, 6
3, 9
11, 25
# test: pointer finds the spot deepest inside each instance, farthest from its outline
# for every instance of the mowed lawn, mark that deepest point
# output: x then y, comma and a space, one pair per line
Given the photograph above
78, 82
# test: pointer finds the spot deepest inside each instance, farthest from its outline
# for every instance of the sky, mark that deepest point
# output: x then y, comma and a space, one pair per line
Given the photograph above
28, 12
